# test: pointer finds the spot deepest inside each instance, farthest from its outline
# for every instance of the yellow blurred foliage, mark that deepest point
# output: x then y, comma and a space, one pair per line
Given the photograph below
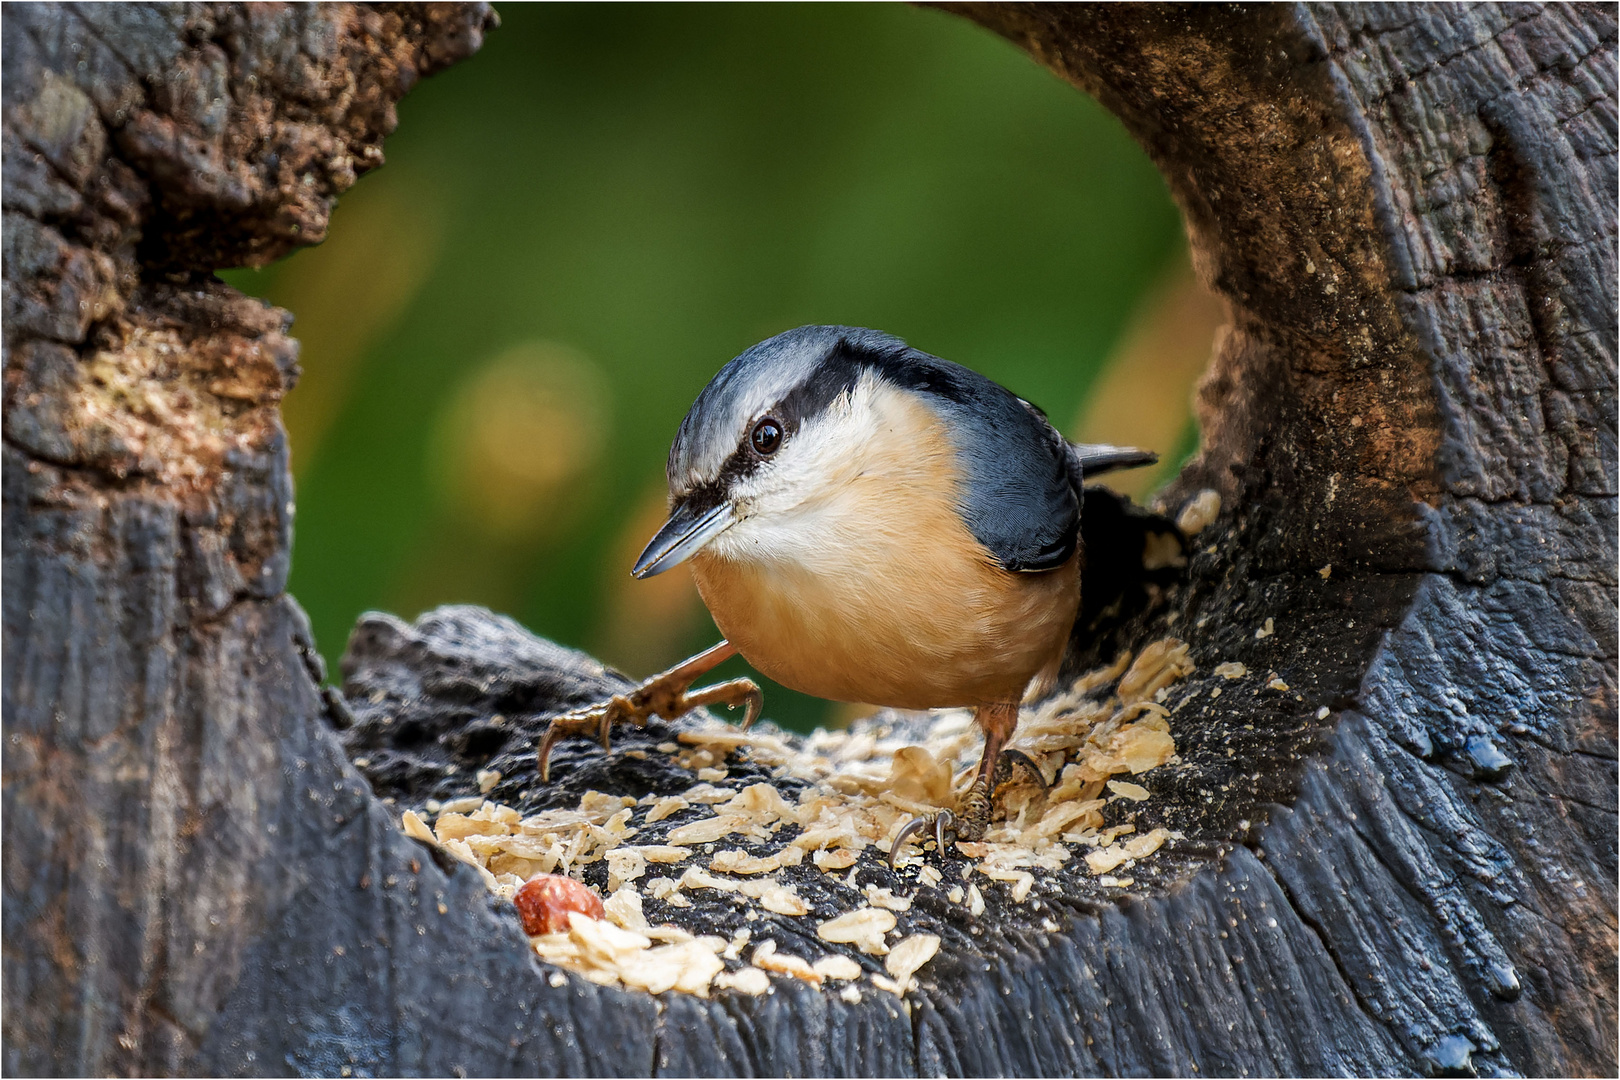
515, 446
1144, 395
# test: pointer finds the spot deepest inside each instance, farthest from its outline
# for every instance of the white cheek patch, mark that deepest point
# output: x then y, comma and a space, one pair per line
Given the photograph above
799, 508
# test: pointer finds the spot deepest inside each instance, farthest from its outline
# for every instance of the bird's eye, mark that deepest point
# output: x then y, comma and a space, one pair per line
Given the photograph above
767, 437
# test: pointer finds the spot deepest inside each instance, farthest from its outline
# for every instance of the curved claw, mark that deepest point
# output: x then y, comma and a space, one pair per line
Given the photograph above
543, 751
943, 822
754, 701
595, 719
743, 692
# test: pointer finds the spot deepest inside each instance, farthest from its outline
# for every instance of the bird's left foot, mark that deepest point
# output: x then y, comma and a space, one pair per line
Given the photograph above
668, 695
1013, 767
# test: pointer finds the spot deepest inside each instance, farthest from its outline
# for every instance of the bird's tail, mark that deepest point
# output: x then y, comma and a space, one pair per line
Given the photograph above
1094, 459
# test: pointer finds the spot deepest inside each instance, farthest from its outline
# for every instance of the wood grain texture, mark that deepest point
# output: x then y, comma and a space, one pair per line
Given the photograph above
161, 696
1409, 209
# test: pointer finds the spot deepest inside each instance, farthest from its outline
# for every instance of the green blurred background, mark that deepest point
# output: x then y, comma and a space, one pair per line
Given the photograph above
576, 228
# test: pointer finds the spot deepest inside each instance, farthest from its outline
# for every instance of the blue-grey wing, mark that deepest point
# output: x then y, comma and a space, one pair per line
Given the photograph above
1027, 482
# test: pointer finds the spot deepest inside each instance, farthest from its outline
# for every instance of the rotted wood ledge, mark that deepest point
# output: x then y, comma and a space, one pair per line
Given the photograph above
1395, 830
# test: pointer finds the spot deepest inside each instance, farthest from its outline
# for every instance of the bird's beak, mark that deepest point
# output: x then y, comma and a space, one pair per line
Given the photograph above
686, 531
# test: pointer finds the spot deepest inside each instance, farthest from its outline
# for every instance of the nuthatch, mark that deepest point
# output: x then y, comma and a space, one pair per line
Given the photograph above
868, 523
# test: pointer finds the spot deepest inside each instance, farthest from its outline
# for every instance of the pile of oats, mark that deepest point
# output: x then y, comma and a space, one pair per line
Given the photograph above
859, 790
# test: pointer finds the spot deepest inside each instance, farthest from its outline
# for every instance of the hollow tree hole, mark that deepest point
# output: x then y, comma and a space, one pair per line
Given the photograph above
576, 229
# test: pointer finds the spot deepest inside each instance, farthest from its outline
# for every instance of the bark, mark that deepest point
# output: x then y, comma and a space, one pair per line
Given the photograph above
161, 696
1411, 419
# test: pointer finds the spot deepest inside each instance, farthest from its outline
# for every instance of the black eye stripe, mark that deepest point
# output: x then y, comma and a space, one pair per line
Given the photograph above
747, 459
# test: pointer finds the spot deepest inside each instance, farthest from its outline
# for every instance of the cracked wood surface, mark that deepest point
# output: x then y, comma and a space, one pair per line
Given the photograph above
1409, 210
161, 711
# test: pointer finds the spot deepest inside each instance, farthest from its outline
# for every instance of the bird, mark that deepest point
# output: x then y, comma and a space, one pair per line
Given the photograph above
870, 523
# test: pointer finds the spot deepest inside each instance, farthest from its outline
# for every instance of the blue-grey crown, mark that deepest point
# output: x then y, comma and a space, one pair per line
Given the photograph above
799, 371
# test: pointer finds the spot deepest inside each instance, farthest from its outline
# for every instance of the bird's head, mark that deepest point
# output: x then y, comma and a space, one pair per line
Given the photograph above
775, 428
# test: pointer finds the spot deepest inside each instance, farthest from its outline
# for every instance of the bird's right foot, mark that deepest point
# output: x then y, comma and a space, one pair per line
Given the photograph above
667, 694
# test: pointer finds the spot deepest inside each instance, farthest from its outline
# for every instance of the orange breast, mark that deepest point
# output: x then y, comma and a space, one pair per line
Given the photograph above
901, 633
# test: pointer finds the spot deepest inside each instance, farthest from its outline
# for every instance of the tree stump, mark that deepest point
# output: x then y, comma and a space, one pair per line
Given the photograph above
1403, 862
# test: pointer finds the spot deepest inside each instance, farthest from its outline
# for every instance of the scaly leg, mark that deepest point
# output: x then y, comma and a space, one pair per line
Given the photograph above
997, 721
997, 768
665, 695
